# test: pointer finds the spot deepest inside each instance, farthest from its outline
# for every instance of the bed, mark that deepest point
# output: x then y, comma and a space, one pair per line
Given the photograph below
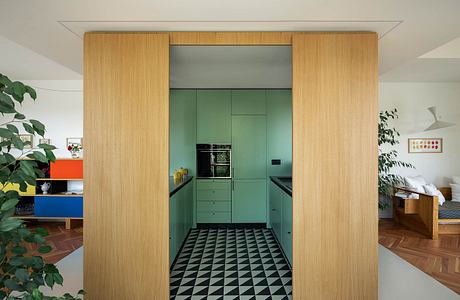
425, 215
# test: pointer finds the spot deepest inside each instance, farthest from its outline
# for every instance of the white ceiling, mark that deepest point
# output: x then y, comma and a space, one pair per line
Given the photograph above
52, 28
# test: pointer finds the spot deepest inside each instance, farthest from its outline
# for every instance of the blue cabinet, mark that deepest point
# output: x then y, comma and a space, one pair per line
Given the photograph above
59, 206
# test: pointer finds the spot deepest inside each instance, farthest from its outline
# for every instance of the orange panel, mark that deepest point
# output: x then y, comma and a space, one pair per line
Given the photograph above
67, 169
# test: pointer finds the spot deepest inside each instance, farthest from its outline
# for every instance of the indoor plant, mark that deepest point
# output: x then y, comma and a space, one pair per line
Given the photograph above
388, 160
21, 274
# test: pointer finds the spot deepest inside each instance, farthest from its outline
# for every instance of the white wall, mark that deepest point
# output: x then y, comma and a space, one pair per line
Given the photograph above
412, 101
59, 106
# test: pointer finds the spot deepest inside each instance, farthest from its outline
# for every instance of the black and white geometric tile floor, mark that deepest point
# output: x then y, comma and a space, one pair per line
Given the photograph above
231, 264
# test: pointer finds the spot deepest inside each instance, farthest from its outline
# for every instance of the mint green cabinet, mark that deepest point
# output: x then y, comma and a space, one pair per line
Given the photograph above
249, 201
248, 102
172, 228
249, 147
279, 132
182, 130
280, 211
213, 201
275, 208
214, 117
180, 218
286, 225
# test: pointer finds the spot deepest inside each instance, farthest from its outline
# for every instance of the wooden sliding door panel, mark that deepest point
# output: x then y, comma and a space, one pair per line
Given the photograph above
335, 111
126, 130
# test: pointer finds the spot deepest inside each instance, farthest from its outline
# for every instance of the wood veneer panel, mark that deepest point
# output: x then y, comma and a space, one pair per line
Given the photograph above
230, 38
126, 129
335, 111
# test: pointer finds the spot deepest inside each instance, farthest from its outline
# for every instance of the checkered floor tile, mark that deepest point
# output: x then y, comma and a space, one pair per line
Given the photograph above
231, 264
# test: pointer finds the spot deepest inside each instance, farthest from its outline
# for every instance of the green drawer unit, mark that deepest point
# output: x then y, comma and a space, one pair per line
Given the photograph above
214, 217
214, 206
214, 198
213, 184
213, 195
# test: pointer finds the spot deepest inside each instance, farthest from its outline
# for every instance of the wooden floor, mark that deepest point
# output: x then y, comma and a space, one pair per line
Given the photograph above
438, 258
61, 240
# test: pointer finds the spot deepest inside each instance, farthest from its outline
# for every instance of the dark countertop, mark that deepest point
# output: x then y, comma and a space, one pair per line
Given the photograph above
175, 187
284, 182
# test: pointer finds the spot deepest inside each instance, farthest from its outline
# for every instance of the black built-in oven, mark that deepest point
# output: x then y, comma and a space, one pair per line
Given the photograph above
214, 160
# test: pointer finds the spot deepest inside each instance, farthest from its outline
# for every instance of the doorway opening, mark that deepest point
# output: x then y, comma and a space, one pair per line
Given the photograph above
231, 171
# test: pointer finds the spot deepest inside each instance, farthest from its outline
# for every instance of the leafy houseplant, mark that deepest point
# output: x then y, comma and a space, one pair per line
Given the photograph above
388, 160
21, 274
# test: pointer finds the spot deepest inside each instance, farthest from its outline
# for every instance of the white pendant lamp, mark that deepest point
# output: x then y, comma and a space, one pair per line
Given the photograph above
437, 123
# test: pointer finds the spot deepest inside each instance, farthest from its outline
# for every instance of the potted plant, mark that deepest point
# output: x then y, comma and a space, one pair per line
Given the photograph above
388, 135
21, 274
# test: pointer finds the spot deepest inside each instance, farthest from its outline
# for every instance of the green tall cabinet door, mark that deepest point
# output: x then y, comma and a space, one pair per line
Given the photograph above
249, 143
249, 147
249, 102
214, 117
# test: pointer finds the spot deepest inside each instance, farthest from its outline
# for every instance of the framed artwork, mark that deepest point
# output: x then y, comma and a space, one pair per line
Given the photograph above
44, 141
24, 138
27, 138
75, 141
425, 145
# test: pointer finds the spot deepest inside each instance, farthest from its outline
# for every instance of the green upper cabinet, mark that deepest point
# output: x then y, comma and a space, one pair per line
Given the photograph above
279, 132
214, 117
249, 147
248, 102
182, 130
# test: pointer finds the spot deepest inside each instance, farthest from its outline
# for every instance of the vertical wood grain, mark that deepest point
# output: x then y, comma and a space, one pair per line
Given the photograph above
335, 111
126, 130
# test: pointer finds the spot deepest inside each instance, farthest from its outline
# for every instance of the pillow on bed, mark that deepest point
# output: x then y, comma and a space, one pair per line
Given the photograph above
456, 179
432, 190
416, 183
455, 192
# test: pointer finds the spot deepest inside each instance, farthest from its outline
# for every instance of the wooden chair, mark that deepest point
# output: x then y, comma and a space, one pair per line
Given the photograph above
422, 215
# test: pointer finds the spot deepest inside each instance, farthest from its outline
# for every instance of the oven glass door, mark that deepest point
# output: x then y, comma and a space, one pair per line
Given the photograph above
222, 171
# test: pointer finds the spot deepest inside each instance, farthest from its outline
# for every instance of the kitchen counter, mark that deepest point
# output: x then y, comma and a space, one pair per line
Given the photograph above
174, 187
285, 183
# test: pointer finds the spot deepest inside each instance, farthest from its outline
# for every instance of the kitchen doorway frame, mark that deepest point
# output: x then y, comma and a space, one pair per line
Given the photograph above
335, 110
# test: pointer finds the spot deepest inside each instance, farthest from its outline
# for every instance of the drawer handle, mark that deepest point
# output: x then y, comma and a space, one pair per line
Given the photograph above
273, 209
289, 232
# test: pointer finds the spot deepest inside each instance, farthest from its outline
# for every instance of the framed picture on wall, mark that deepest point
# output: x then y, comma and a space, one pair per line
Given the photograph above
44, 141
27, 139
74, 141
425, 145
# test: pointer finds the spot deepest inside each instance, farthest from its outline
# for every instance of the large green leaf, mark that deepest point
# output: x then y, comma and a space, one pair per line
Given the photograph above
12, 128
28, 128
38, 126
9, 224
7, 205
22, 275
5, 133
40, 157
6, 104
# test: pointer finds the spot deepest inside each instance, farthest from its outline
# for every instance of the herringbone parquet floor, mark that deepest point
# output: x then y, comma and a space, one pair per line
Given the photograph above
61, 240
438, 258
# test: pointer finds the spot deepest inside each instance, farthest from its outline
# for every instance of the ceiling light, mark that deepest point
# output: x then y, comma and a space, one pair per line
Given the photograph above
438, 124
